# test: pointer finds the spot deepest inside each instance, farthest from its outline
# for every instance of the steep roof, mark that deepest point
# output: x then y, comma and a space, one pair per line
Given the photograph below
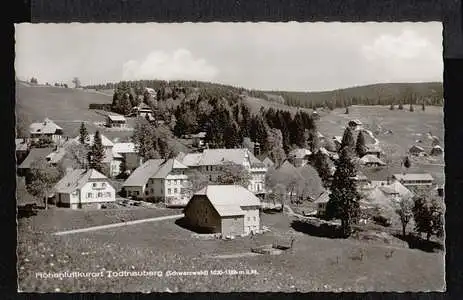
75, 179
91, 137
287, 167
191, 159
228, 200
45, 127
124, 148
34, 155
268, 162
56, 156
140, 175
370, 158
323, 198
166, 167
413, 176
116, 118
416, 148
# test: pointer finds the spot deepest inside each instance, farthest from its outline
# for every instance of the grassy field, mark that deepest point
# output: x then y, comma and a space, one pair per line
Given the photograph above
68, 107
314, 264
407, 127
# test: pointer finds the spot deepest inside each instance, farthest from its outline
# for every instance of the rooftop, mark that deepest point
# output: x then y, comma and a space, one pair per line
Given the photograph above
143, 173
116, 118
124, 148
75, 179
45, 127
414, 177
35, 154
228, 200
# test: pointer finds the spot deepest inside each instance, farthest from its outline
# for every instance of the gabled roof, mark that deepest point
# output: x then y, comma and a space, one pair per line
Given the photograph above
323, 198
76, 179
116, 118
200, 135
143, 173
191, 159
228, 200
338, 138
213, 157
104, 140
34, 155
268, 162
166, 167
413, 176
300, 153
45, 127
124, 148
416, 148
56, 156
287, 167
356, 122
370, 158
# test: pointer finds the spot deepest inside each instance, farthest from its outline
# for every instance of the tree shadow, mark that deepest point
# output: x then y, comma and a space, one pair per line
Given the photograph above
321, 230
272, 211
27, 211
183, 222
416, 242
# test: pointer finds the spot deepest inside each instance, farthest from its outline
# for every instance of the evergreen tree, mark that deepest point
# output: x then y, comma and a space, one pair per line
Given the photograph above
320, 163
411, 108
428, 215
96, 153
344, 197
360, 147
347, 110
423, 106
391, 107
401, 107
407, 163
83, 134
348, 141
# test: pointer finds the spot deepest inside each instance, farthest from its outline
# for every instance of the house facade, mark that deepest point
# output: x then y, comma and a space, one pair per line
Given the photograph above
227, 209
46, 130
116, 121
84, 189
136, 185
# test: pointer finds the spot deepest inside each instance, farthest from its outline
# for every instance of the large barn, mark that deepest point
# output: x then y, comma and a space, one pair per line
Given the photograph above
231, 210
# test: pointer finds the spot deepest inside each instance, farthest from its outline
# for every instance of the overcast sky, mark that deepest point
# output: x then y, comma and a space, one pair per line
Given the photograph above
271, 56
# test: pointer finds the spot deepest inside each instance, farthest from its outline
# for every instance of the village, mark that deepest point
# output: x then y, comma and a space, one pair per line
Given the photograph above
224, 193
285, 157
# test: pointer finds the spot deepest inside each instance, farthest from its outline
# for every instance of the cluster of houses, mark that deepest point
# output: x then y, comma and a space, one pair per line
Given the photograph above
228, 209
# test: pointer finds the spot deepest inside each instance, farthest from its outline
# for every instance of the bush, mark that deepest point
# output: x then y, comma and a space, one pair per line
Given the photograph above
382, 220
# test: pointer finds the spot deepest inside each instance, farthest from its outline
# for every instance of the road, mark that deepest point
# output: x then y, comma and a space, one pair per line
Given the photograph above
118, 224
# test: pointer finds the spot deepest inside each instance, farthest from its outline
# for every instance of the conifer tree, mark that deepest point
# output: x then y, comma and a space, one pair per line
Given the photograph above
348, 141
391, 107
411, 108
423, 106
344, 197
83, 134
401, 107
320, 163
96, 153
360, 146
407, 163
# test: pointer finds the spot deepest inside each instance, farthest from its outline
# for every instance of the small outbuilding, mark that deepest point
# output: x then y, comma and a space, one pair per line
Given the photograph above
416, 150
437, 150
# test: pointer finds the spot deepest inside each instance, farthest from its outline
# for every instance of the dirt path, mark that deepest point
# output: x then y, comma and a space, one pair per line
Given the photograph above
118, 224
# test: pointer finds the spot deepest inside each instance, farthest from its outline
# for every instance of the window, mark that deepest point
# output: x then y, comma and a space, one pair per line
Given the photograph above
89, 195
94, 184
103, 185
137, 193
152, 190
168, 181
249, 219
108, 194
168, 191
146, 192
175, 191
254, 218
100, 194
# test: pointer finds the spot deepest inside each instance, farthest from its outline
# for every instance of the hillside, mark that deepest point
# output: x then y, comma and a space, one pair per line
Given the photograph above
382, 93
68, 107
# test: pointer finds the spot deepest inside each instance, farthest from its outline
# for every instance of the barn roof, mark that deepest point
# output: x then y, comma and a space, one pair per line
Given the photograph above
166, 167
370, 158
116, 118
228, 200
413, 176
300, 153
124, 148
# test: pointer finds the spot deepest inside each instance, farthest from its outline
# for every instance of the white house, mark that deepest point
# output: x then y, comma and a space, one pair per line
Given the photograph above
116, 121
46, 129
299, 157
227, 209
129, 153
211, 160
84, 188
136, 184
